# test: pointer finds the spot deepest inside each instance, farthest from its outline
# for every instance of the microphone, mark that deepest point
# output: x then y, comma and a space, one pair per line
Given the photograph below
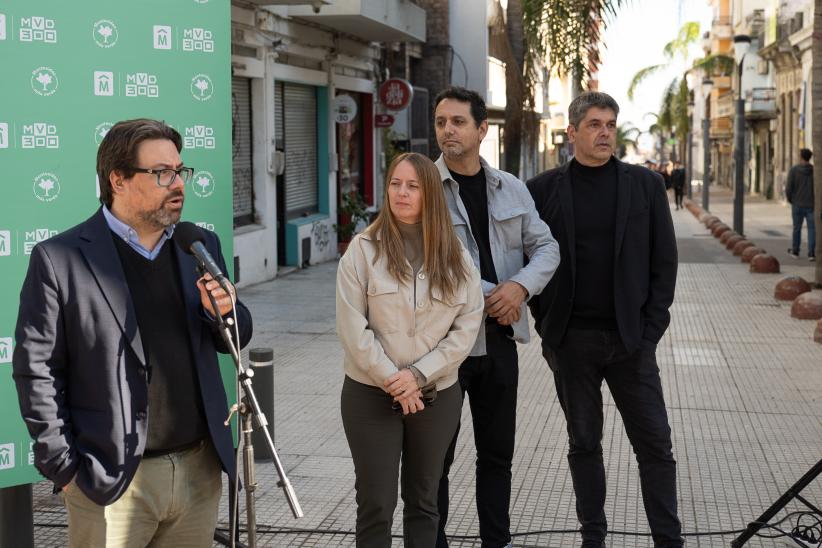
191, 239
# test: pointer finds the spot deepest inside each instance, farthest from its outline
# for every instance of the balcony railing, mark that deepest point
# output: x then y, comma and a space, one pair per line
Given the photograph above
760, 104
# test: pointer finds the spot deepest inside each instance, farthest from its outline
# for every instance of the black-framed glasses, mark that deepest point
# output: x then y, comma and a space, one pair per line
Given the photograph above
166, 177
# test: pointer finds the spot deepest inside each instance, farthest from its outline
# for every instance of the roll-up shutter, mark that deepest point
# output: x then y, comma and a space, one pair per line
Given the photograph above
243, 177
299, 106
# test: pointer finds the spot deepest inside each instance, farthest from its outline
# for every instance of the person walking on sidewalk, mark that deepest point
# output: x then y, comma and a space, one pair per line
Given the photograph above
799, 192
603, 313
495, 218
409, 306
678, 182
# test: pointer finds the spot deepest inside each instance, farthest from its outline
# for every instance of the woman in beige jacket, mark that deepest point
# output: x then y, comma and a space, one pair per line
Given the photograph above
409, 307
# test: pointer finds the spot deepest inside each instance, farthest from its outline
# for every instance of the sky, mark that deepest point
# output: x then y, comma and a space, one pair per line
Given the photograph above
635, 39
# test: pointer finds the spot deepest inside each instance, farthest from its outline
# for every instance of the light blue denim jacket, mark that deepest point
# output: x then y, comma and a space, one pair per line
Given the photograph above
514, 230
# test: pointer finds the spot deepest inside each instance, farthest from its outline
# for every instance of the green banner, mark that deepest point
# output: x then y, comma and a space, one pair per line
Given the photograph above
71, 70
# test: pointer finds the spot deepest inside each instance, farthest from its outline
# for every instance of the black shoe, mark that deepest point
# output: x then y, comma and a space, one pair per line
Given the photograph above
792, 253
592, 544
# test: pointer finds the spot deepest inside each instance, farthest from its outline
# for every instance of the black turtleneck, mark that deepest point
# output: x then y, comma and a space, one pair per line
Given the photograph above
594, 191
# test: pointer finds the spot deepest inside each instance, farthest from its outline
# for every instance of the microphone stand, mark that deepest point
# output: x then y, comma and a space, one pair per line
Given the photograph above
248, 408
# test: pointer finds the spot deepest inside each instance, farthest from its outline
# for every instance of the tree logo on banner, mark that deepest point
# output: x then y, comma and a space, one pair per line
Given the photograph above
201, 87
46, 187
100, 131
203, 184
44, 81
105, 33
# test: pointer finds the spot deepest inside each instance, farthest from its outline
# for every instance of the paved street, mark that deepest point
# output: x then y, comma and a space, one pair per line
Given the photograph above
743, 382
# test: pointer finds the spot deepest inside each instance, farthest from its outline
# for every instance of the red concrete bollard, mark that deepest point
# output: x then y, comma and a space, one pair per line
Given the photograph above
723, 238
817, 334
731, 242
807, 306
719, 229
709, 220
790, 287
741, 246
764, 264
750, 253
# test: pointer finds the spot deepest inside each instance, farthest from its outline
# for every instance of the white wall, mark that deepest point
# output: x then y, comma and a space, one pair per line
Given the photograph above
468, 31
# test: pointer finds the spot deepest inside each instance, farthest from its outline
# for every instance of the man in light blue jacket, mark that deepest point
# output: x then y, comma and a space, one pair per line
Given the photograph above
495, 218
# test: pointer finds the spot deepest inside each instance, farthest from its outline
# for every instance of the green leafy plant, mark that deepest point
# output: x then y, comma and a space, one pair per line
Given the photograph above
350, 213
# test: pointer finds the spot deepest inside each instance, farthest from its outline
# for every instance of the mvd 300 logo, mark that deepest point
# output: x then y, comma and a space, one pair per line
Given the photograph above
46, 187
198, 39
34, 237
40, 135
142, 84
199, 137
38, 29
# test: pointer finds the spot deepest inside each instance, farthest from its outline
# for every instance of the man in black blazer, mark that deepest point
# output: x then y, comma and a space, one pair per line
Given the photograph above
604, 311
115, 363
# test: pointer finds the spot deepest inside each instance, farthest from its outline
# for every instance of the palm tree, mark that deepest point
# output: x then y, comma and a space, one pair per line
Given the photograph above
678, 47
627, 135
565, 34
816, 100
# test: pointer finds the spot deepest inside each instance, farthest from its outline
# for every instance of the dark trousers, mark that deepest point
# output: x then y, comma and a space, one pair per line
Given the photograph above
679, 193
798, 215
582, 361
379, 439
491, 384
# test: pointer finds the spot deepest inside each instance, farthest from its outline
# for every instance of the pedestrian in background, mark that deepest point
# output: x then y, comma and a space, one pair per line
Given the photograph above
409, 306
605, 310
799, 193
495, 219
678, 182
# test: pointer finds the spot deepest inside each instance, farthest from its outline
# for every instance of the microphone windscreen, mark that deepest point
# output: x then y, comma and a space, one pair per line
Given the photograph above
185, 234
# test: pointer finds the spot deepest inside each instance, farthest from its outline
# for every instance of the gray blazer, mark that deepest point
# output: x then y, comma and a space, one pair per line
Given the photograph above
81, 376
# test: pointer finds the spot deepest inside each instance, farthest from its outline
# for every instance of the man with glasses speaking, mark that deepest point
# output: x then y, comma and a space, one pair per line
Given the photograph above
116, 357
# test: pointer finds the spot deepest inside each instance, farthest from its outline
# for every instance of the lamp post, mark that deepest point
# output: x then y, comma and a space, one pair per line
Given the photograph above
742, 43
689, 158
707, 86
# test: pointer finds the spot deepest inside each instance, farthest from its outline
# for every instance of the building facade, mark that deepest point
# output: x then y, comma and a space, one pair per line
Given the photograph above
304, 80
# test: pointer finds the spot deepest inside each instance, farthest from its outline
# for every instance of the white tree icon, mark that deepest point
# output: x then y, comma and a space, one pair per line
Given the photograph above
202, 85
45, 79
105, 31
47, 185
203, 182
103, 131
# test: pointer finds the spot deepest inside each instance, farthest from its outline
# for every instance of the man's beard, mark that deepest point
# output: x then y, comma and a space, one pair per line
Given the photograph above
162, 217
453, 152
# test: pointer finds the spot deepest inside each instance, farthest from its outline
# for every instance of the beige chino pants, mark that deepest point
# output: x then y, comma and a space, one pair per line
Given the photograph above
172, 501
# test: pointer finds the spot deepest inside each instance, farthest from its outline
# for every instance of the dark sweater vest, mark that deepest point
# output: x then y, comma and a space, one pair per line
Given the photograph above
176, 418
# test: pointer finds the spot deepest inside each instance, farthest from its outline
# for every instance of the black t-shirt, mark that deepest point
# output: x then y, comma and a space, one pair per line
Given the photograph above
594, 191
474, 195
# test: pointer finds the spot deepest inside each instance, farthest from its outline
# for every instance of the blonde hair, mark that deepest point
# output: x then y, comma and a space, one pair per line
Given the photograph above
442, 253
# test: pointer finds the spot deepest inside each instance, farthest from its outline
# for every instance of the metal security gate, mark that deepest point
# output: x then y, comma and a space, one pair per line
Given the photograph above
242, 173
296, 107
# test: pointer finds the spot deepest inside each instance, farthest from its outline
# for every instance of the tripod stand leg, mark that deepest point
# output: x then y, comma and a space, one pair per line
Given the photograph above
789, 495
